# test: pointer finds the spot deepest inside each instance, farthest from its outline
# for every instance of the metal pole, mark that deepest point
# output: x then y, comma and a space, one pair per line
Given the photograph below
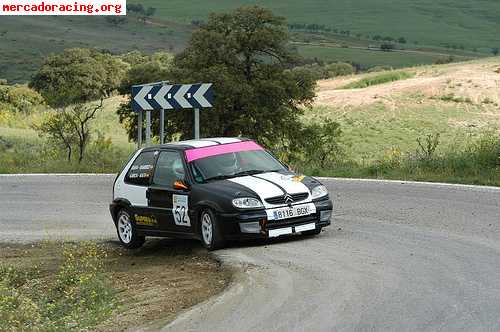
148, 128
196, 123
139, 130
162, 126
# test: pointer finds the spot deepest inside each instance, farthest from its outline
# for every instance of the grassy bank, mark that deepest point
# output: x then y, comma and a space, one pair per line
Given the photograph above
23, 151
475, 162
382, 78
101, 287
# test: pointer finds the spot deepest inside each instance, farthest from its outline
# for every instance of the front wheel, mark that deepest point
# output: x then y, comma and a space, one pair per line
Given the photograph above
211, 235
127, 233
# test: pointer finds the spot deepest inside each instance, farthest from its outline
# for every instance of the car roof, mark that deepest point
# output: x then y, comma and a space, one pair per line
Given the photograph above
198, 143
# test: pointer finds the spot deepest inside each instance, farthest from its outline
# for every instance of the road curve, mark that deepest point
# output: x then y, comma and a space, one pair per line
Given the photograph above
399, 257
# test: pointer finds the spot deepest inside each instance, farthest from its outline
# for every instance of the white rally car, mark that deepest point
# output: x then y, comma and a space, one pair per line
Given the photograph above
214, 189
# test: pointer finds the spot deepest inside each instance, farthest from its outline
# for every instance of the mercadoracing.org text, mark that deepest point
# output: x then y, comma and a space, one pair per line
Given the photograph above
63, 7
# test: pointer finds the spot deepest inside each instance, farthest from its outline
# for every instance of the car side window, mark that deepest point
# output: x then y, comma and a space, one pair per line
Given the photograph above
169, 168
141, 171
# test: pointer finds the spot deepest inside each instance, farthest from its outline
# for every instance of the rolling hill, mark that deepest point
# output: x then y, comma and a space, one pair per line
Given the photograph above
431, 28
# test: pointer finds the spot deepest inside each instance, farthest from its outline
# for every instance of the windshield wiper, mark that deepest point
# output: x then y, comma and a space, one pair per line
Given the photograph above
250, 172
219, 177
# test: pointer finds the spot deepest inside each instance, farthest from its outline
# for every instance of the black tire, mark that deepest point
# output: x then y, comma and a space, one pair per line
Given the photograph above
315, 231
216, 240
128, 236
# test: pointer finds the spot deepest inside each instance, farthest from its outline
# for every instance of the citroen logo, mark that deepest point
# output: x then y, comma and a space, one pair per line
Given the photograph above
288, 199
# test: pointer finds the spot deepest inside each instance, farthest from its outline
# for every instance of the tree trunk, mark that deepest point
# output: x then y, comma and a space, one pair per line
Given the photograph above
69, 152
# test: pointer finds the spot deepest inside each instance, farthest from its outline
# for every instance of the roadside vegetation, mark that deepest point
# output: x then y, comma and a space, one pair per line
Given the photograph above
99, 286
385, 77
264, 91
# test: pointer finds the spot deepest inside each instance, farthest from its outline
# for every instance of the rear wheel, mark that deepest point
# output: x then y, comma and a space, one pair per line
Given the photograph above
211, 235
127, 232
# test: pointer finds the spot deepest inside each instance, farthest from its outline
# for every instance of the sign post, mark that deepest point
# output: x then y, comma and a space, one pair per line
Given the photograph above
164, 96
148, 128
139, 130
162, 126
196, 123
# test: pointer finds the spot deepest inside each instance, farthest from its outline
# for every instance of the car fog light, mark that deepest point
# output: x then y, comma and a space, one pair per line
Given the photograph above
250, 227
325, 215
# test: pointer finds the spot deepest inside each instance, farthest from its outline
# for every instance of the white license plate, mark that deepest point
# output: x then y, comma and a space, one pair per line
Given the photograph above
291, 212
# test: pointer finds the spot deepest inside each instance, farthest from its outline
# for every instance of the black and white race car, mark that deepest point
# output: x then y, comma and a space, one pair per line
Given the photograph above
214, 189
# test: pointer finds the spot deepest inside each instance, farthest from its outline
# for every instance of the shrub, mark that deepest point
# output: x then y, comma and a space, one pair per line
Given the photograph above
379, 79
340, 69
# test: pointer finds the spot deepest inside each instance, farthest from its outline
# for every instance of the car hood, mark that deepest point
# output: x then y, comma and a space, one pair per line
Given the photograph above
274, 184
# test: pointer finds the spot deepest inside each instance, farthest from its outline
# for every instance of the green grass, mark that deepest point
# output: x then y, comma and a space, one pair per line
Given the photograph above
367, 58
24, 41
77, 296
23, 151
432, 22
384, 77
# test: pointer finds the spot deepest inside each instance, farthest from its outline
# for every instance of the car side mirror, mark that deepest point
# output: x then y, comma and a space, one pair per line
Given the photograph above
180, 185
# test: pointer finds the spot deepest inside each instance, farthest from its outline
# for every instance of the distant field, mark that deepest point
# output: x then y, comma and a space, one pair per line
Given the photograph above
368, 58
24, 41
432, 22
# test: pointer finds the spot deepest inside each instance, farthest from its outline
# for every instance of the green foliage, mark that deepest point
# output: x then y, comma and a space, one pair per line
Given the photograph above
379, 79
78, 76
245, 54
340, 69
427, 147
78, 297
58, 130
19, 98
320, 144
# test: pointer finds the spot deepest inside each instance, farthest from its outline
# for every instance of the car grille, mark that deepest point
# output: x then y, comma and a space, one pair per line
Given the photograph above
281, 199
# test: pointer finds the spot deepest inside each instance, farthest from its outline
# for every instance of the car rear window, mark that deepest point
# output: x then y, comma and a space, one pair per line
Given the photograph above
141, 170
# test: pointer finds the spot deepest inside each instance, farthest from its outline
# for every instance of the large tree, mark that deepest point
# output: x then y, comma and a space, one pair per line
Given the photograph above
75, 83
246, 55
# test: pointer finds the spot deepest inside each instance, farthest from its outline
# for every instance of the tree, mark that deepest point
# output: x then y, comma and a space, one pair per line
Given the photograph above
495, 51
402, 40
75, 83
245, 54
144, 69
387, 47
116, 20
58, 130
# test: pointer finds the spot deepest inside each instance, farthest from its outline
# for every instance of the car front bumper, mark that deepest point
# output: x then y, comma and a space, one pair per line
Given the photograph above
255, 224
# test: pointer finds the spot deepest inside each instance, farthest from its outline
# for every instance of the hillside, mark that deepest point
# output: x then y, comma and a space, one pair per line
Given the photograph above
432, 22
432, 30
456, 100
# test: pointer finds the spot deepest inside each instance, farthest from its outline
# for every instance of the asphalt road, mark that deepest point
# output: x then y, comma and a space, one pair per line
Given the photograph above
399, 257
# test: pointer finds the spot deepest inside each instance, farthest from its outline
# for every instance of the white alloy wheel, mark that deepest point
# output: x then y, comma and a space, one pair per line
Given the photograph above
125, 228
206, 228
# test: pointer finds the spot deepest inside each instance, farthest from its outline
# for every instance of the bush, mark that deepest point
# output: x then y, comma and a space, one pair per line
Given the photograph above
340, 69
20, 98
379, 79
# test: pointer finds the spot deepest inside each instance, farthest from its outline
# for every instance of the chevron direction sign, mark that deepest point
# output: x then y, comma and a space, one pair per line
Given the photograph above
157, 96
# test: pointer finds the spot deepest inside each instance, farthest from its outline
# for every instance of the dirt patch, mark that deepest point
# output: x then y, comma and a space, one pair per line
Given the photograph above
153, 283
477, 81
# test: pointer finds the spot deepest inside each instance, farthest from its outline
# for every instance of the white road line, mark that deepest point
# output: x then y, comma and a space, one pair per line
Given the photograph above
425, 183
470, 186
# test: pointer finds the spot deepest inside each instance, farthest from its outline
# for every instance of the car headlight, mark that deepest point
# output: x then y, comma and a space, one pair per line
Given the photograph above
318, 192
247, 203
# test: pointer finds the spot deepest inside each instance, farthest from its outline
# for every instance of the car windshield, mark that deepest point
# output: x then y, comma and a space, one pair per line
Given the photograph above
234, 164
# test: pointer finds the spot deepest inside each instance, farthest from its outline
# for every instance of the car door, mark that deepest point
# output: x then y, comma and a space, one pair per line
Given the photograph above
134, 188
169, 205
